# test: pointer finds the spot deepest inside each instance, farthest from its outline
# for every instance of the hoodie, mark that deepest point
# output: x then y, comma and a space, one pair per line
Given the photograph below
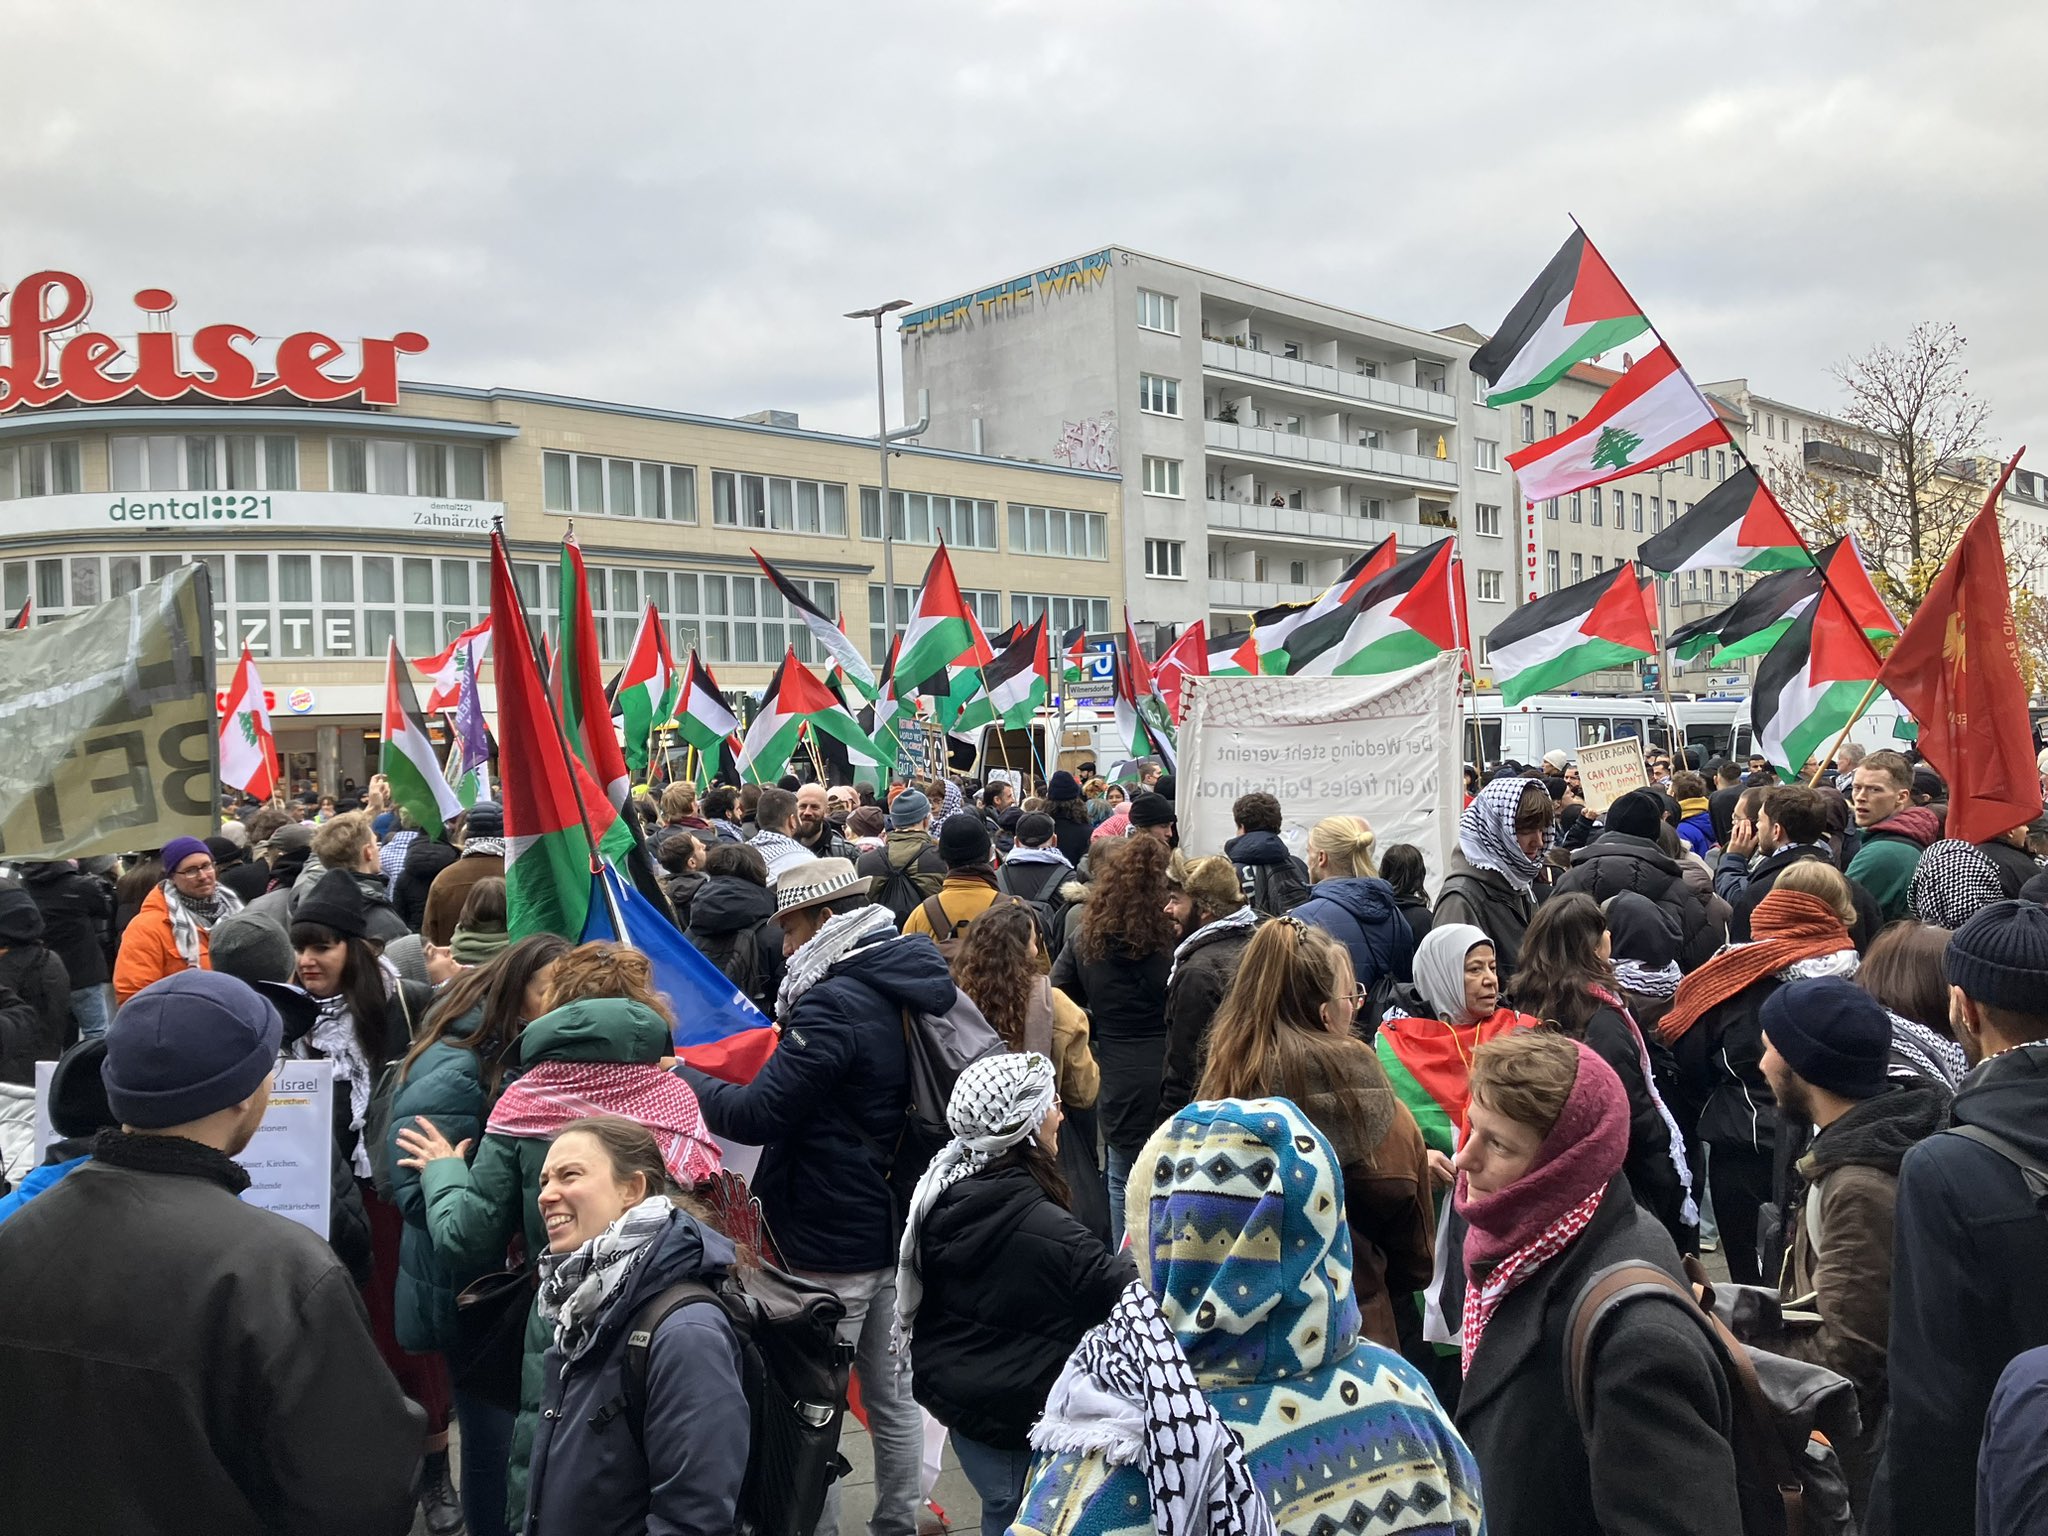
1272, 879
1889, 856
1969, 1247
1363, 916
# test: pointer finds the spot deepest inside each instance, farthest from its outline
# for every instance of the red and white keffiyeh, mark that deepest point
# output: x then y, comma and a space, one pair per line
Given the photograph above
1519, 1266
554, 1093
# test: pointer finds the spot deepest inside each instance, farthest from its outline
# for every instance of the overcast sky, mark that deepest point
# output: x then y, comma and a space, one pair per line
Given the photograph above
671, 203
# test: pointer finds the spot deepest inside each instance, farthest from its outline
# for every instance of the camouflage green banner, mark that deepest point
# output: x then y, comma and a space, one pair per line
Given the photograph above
107, 727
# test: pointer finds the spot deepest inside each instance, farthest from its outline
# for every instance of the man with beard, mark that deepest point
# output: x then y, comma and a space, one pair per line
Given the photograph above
813, 828
1206, 900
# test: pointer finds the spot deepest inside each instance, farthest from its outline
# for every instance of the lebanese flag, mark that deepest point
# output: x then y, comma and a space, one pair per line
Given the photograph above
445, 670
1653, 415
1575, 310
579, 682
1586, 627
1739, 527
648, 689
1187, 657
1395, 619
248, 752
1957, 668
1812, 685
547, 791
941, 630
793, 699
407, 757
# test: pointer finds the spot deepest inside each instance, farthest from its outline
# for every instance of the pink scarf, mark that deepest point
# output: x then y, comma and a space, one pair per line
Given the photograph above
1512, 1231
552, 1094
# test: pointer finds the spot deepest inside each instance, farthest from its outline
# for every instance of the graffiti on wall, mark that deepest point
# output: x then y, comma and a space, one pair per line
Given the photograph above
1008, 297
1089, 444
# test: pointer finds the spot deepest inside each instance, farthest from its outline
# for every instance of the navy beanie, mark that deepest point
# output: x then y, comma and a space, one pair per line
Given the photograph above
187, 1047
1832, 1033
964, 842
1636, 814
2000, 957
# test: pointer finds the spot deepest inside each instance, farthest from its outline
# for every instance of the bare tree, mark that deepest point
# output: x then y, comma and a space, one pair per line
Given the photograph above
1906, 472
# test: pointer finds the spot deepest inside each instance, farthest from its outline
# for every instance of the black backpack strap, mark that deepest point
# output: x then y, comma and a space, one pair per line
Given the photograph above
2031, 1170
632, 1397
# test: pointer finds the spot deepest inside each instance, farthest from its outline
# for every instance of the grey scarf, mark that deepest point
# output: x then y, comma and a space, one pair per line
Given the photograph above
575, 1287
190, 917
827, 947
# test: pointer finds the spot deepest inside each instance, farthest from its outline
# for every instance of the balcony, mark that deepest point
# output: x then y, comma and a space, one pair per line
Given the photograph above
1294, 448
1250, 520
1254, 595
1435, 406
1821, 454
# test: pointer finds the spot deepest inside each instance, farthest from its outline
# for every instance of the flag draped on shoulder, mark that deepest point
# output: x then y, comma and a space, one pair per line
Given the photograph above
1739, 527
1957, 668
1591, 625
649, 688
1811, 685
1575, 310
794, 699
825, 631
1654, 413
248, 751
407, 758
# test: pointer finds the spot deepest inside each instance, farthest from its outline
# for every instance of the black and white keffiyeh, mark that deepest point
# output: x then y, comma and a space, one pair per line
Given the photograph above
335, 1038
997, 1102
827, 947
1246, 916
1921, 1052
1129, 1392
1486, 833
1647, 980
576, 1286
1953, 882
190, 917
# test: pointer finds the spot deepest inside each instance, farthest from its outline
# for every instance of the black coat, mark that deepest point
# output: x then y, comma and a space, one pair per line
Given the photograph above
828, 1108
222, 1348
1490, 902
1011, 1282
1969, 1249
75, 908
1072, 837
2016, 866
1657, 1462
1615, 862
1764, 874
732, 924
1125, 998
1720, 1071
424, 859
1199, 984
683, 1472
35, 1011
246, 879
1420, 919
1653, 1177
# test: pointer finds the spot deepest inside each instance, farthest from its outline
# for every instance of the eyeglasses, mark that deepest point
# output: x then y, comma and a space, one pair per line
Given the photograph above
1357, 996
185, 870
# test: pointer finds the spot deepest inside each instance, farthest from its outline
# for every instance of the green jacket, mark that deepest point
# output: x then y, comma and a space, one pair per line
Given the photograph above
1884, 867
446, 1085
474, 1209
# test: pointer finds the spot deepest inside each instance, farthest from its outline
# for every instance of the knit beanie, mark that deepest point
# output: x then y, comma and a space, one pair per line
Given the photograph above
252, 947
908, 809
187, 1047
407, 954
2000, 957
1062, 786
21, 920
179, 849
963, 843
335, 903
1150, 810
78, 1099
868, 821
1636, 814
1832, 1033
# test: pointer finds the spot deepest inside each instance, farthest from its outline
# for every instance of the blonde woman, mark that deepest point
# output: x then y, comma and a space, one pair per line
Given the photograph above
1350, 902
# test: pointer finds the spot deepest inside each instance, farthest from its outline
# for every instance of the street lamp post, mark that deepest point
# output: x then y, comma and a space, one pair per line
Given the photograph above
882, 446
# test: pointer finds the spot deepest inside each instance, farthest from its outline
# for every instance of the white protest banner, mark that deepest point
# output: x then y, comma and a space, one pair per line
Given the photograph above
1609, 771
288, 1159
1384, 748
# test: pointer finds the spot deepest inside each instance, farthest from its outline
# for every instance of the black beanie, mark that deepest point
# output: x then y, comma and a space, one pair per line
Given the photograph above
964, 842
336, 904
1150, 810
21, 920
2000, 957
78, 1098
1636, 814
1832, 1033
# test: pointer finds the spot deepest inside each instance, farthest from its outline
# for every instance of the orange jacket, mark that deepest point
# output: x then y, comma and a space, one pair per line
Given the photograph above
148, 952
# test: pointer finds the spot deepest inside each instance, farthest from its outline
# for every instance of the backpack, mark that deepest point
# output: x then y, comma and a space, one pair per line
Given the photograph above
738, 957
1046, 904
1787, 1414
904, 886
1274, 889
793, 1368
938, 1047
945, 932
2034, 1175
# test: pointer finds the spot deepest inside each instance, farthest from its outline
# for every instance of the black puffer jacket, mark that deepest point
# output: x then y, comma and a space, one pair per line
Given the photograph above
1615, 862
425, 859
35, 1011
1011, 1282
75, 908
732, 923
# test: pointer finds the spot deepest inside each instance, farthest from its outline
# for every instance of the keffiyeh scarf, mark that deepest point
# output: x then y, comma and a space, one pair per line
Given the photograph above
1519, 1266
1647, 980
1486, 833
1926, 1053
481, 847
575, 1287
1954, 880
950, 806
1246, 916
827, 947
550, 1095
1129, 1392
191, 917
997, 1102
333, 1036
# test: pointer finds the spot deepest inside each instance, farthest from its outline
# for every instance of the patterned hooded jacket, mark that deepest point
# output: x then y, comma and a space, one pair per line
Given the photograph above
1237, 1225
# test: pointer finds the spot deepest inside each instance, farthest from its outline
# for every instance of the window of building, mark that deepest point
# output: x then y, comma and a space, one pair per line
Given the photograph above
1483, 653
1578, 507
1550, 423
1486, 520
1159, 312
202, 461
1058, 531
595, 487
1720, 464
1597, 499
1688, 464
1656, 511
1570, 420
1724, 583
1162, 477
1489, 586
987, 608
1657, 523
1578, 567
1528, 424
1551, 568
1366, 367
1636, 501
1162, 558
741, 500
1692, 583
1061, 613
1599, 564
39, 469
1689, 506
380, 466
1485, 453
1158, 396
1550, 509
916, 517
1479, 388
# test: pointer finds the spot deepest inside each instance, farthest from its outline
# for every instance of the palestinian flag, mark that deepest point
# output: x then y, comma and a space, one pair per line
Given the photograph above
1576, 310
1755, 621
703, 718
1396, 619
793, 699
1811, 686
1233, 654
548, 792
1850, 582
1586, 627
1652, 415
889, 709
1273, 629
1019, 679
1739, 527
579, 683
648, 690
407, 758
1462, 613
468, 648
830, 638
1429, 1065
21, 619
941, 630
248, 751
1187, 657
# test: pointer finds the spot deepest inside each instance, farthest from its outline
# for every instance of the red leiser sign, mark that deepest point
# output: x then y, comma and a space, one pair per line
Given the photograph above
91, 368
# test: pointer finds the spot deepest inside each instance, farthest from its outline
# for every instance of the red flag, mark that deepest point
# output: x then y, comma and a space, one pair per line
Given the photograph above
1461, 613
20, 620
1141, 673
1957, 668
1186, 657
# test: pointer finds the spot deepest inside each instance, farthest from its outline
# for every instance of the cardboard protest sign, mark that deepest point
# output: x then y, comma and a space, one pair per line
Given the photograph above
1610, 770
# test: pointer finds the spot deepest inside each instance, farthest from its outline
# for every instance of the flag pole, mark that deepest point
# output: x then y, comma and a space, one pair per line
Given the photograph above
1862, 704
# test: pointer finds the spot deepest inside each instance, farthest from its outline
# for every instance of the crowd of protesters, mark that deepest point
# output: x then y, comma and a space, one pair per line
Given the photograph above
1294, 1189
